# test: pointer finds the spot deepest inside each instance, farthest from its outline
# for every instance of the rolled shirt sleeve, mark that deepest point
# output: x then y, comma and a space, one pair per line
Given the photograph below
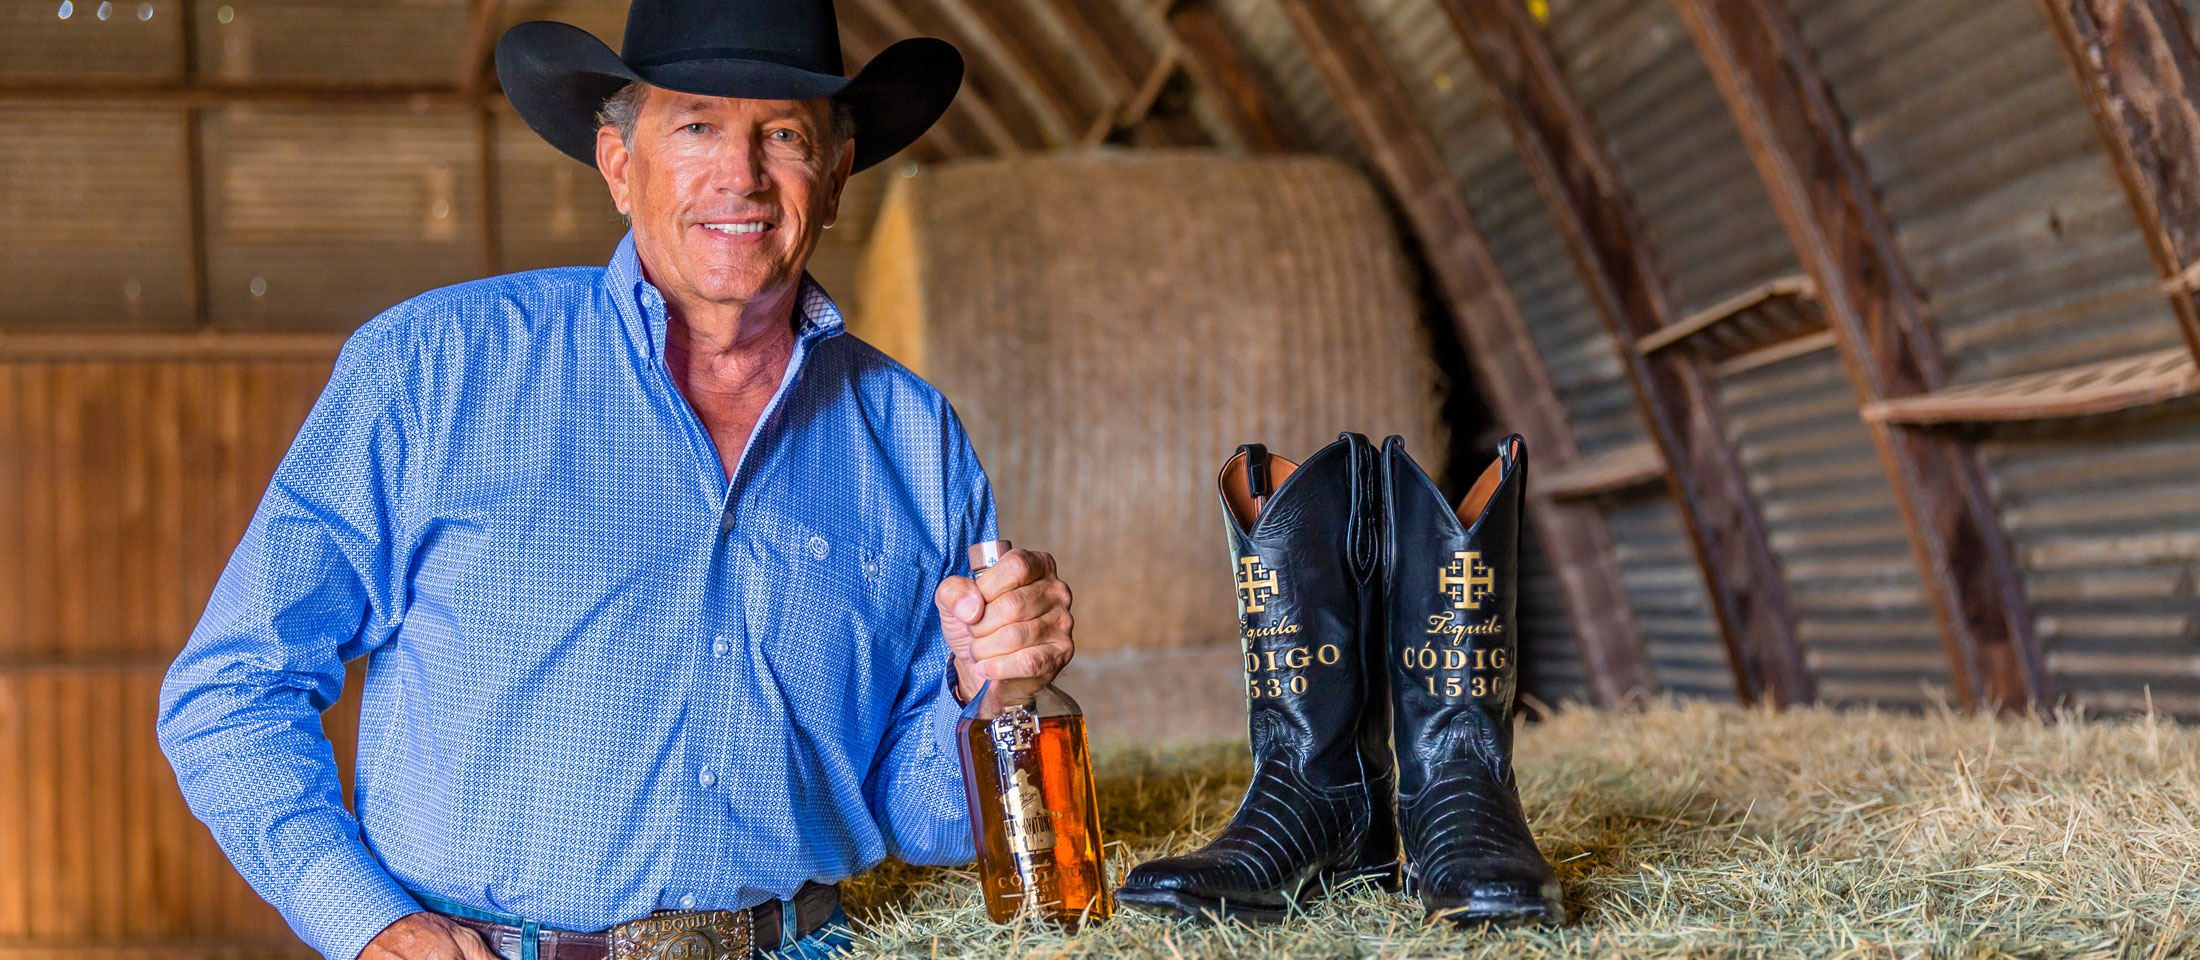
916, 790
316, 581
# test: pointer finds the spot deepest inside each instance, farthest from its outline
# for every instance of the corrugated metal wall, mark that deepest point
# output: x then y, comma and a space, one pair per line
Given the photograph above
1832, 519
2003, 198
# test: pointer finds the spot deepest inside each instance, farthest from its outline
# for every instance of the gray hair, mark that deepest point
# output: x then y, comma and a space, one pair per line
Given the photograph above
624, 110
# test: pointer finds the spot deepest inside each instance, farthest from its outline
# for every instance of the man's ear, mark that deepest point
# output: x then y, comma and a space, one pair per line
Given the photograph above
841, 172
611, 159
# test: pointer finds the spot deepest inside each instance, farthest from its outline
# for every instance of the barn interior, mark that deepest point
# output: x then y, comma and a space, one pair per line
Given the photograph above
1854, 342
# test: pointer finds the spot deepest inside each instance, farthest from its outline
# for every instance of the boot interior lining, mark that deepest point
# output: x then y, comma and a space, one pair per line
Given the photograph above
1242, 505
1471, 508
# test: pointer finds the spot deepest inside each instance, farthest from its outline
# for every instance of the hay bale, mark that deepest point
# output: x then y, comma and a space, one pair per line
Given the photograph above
1111, 326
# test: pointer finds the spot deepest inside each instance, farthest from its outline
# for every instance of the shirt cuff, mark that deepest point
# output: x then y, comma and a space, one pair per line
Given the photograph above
341, 903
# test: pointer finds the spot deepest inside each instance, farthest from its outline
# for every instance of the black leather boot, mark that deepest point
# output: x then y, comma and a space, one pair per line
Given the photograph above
1305, 543
1450, 593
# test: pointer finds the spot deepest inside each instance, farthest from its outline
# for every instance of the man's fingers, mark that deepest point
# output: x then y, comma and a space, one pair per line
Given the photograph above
960, 602
1016, 568
1040, 661
1028, 602
1050, 629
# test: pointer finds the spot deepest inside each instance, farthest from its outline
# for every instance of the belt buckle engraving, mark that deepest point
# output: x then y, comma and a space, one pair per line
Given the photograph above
684, 935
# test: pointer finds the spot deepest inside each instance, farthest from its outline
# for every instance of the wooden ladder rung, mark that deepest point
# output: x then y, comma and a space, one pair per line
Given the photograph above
2105, 386
1610, 472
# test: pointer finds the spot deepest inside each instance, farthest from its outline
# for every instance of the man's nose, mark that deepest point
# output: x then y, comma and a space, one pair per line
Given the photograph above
740, 168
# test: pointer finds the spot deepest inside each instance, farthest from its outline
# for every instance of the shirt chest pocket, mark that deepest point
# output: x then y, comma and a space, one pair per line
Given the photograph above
838, 620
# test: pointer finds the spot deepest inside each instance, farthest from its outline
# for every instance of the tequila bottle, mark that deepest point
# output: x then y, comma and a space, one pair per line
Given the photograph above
1028, 778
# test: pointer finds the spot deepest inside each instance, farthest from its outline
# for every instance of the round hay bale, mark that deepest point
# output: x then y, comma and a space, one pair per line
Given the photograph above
1110, 326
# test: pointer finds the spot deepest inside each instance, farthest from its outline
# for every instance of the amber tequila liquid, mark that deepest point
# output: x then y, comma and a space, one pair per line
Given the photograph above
1027, 774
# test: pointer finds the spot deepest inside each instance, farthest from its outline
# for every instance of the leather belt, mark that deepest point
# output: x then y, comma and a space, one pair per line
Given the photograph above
667, 934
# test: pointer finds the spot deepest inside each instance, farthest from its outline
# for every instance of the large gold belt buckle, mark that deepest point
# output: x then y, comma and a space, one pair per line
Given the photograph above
684, 935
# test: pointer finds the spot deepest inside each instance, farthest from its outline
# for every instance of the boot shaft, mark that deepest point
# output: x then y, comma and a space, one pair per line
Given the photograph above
1451, 595
1305, 545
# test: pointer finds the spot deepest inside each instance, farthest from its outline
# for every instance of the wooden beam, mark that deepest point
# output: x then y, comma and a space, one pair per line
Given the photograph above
474, 68
1108, 40
1817, 181
2140, 73
1134, 109
1225, 72
2085, 390
1014, 41
193, 95
1675, 390
1002, 119
955, 134
1373, 99
202, 346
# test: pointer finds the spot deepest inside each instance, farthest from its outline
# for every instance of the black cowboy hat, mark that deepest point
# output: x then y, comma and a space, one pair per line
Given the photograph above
558, 75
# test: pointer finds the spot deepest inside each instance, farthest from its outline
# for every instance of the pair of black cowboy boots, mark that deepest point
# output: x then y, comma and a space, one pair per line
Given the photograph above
1373, 614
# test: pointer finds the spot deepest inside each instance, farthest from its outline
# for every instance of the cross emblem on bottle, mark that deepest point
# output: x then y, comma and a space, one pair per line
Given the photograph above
1466, 580
1254, 587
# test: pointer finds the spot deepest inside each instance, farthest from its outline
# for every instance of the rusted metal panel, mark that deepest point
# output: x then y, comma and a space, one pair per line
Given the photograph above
1800, 143
2105, 515
1674, 389
1577, 351
319, 219
1266, 36
2006, 202
96, 219
1665, 591
1712, 227
1371, 95
1869, 635
2140, 74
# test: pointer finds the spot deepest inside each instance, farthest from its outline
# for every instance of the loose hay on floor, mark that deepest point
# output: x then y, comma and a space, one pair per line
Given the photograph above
1698, 831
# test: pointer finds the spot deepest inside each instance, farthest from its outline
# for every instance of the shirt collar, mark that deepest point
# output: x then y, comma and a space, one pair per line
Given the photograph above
641, 306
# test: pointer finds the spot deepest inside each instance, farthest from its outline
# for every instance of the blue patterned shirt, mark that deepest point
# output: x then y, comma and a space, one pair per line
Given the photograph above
605, 679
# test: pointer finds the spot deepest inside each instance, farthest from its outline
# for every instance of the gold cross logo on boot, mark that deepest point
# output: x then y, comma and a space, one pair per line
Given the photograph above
1466, 580
1254, 587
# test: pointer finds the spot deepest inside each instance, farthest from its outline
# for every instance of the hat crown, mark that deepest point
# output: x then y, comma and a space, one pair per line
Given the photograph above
797, 33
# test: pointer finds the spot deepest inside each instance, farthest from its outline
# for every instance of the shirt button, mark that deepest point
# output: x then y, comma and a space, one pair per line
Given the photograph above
719, 646
819, 548
687, 901
707, 778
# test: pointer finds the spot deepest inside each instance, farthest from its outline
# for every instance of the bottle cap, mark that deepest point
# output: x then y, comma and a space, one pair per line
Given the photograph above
984, 555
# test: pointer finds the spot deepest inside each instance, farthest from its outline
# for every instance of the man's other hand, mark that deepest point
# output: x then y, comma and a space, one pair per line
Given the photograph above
427, 936
1011, 625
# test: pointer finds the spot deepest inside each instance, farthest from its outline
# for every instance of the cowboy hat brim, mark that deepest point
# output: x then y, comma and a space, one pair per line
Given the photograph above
557, 76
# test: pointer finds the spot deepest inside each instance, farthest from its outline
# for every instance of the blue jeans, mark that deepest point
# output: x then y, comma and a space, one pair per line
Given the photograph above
827, 940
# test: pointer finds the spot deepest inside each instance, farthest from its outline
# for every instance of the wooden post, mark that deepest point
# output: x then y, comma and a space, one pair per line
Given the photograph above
194, 182
474, 71
1818, 183
1224, 71
2141, 76
1375, 103
1675, 390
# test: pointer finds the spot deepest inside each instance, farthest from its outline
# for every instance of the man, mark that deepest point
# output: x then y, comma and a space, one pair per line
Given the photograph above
642, 553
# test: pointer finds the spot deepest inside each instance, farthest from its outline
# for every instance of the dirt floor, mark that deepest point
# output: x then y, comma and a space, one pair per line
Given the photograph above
1698, 831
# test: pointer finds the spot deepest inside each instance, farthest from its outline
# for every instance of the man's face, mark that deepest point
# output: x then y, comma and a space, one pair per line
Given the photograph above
726, 195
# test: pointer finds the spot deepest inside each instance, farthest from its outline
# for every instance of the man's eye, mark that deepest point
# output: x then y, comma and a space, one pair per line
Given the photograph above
696, 127
790, 137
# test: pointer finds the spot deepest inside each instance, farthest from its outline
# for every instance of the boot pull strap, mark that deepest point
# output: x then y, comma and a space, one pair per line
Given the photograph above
1257, 484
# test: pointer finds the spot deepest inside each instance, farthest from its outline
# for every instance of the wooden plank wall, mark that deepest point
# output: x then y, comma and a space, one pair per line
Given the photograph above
127, 485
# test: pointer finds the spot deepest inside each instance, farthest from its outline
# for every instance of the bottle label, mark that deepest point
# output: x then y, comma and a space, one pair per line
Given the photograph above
1030, 831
